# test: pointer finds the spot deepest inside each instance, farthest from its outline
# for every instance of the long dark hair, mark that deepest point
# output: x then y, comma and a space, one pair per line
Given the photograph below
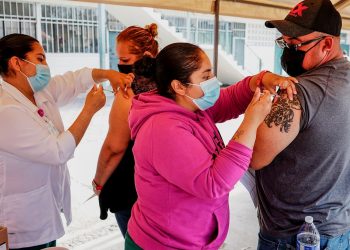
14, 45
176, 61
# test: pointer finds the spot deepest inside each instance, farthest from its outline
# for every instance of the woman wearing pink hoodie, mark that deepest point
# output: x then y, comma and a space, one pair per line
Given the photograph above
183, 170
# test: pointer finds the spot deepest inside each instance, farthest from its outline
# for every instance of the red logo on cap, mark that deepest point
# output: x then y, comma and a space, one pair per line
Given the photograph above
298, 10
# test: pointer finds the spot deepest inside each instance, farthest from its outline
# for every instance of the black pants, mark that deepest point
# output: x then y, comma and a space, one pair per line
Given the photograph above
50, 244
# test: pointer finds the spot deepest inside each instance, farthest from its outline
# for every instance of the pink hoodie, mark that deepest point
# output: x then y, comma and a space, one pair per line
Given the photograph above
183, 171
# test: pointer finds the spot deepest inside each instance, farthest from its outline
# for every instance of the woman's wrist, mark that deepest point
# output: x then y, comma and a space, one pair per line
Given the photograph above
101, 75
110, 74
256, 80
246, 132
88, 111
96, 187
260, 78
250, 121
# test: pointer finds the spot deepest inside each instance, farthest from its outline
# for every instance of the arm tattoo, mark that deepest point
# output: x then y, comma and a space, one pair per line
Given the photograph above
238, 134
282, 113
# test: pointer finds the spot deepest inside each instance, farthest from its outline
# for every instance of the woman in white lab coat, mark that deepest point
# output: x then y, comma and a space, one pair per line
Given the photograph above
34, 146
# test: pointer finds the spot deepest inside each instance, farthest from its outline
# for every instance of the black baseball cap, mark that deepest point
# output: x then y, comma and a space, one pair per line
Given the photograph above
309, 16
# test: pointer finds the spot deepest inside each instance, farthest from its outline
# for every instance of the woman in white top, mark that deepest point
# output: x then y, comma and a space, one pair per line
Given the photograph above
34, 146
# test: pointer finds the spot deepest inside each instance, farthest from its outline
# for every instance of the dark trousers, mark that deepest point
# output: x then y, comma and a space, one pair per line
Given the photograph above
50, 244
123, 217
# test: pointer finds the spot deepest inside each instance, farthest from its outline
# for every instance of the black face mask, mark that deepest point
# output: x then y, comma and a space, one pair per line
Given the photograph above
292, 60
126, 68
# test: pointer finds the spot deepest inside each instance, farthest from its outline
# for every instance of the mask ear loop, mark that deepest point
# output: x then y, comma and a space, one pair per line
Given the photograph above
320, 63
20, 70
313, 46
27, 78
189, 97
26, 62
322, 58
193, 84
18, 64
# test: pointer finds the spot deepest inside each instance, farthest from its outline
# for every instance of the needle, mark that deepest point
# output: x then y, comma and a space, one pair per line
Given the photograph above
92, 196
109, 90
272, 96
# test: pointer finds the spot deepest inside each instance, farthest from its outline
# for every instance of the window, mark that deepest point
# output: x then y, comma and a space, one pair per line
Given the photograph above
200, 30
113, 24
68, 29
259, 35
17, 17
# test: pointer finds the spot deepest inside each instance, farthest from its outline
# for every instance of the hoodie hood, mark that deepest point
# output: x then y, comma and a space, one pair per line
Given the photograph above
148, 104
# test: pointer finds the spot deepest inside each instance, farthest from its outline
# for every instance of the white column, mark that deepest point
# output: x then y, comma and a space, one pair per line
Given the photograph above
38, 22
102, 34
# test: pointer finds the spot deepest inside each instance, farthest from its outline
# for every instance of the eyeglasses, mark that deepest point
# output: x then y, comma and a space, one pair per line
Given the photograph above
283, 44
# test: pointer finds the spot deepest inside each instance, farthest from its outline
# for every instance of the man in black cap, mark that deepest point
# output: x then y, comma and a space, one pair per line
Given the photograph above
303, 146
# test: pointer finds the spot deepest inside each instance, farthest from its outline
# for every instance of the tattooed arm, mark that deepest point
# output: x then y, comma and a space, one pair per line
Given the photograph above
277, 131
255, 113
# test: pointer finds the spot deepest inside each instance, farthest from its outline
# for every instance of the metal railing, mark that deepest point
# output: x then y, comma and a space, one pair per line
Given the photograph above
231, 38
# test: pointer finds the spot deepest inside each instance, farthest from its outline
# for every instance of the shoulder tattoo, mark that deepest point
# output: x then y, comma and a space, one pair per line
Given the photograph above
282, 113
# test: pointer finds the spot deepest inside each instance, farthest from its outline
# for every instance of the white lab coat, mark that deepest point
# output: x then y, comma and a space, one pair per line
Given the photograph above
34, 178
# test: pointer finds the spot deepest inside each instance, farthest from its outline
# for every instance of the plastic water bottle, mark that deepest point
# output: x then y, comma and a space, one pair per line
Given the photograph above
308, 237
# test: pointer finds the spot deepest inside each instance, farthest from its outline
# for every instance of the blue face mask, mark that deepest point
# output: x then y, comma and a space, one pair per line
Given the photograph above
41, 79
211, 90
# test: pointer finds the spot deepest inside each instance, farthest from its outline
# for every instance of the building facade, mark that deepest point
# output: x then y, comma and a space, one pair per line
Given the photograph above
64, 31
71, 28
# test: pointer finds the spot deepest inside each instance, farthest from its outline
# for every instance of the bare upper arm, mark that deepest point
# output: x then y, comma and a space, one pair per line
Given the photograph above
277, 131
118, 135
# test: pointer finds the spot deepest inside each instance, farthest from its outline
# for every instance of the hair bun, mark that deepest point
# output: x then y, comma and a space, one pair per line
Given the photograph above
152, 29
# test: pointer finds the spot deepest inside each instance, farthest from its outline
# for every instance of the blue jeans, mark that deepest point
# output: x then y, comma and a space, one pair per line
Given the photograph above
341, 242
123, 217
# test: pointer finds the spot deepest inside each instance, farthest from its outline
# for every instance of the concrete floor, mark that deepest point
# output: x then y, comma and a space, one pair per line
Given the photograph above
244, 228
88, 232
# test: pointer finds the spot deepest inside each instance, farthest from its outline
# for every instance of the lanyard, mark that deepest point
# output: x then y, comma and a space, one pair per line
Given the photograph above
33, 110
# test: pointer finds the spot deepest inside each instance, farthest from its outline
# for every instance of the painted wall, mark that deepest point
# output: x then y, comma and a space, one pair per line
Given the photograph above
61, 63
